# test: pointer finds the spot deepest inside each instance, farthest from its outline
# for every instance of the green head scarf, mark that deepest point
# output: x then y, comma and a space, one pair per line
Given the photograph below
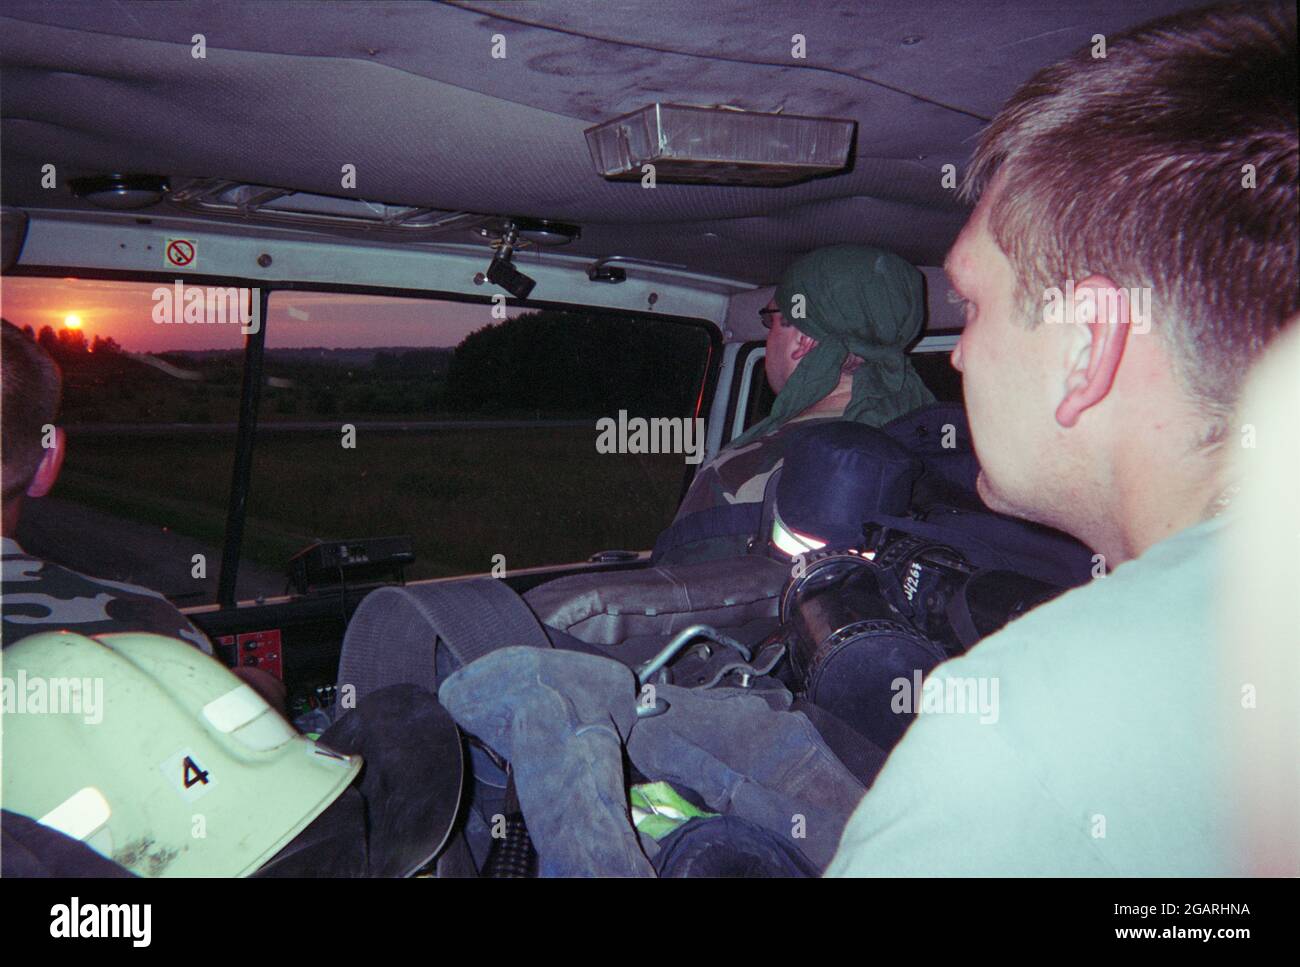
858, 300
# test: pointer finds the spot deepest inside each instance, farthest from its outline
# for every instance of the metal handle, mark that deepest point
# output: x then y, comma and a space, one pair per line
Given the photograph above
679, 641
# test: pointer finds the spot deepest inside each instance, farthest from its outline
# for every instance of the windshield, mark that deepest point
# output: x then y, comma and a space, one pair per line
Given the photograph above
471, 428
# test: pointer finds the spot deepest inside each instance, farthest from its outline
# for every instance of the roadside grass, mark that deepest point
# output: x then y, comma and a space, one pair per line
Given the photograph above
540, 495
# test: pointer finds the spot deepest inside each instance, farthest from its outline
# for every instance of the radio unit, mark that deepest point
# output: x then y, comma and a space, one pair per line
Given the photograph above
330, 564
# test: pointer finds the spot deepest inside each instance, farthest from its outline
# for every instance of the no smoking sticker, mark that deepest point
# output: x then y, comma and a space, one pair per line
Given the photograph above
179, 252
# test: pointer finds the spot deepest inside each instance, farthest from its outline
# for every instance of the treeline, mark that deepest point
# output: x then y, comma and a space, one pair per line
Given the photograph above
544, 364
565, 363
104, 384
70, 344
398, 383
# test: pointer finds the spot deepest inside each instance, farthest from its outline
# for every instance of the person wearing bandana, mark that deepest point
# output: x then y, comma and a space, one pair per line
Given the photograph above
838, 327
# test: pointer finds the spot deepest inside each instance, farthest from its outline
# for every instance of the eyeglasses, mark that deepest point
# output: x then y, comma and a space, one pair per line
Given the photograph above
765, 316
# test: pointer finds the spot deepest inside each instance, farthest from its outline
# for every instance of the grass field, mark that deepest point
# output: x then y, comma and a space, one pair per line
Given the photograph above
537, 496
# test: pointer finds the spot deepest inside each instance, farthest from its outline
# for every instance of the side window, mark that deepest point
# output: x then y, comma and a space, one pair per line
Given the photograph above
749, 397
937, 373
504, 441
756, 396
151, 382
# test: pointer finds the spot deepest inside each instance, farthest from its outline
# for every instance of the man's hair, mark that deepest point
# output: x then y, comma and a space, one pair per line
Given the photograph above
30, 384
1135, 166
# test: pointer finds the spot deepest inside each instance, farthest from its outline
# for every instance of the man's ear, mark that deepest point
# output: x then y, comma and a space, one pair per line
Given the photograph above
1095, 345
804, 346
47, 471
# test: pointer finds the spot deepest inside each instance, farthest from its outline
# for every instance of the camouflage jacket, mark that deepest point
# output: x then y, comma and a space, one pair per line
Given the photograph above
38, 596
737, 475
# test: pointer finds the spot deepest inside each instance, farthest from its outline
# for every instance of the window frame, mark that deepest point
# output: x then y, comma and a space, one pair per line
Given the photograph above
753, 358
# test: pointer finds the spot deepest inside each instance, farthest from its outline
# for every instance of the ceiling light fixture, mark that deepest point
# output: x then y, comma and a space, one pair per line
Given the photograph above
719, 146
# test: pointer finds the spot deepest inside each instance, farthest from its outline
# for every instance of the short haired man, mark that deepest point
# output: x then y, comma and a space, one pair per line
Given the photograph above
1158, 184
37, 595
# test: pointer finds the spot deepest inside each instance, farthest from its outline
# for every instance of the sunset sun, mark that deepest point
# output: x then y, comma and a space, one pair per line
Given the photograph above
72, 321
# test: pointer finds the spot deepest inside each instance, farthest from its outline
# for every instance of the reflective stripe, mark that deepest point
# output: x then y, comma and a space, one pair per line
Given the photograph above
270, 731
80, 815
792, 542
237, 707
245, 716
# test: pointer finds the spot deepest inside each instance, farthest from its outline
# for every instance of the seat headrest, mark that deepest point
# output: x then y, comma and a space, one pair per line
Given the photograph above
838, 475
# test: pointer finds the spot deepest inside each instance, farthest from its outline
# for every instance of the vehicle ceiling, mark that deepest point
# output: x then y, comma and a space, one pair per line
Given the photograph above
409, 93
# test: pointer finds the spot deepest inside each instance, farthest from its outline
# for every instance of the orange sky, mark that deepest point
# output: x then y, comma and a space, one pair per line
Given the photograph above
124, 311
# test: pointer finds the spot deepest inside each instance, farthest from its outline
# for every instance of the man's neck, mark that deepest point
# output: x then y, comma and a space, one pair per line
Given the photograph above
1160, 494
833, 403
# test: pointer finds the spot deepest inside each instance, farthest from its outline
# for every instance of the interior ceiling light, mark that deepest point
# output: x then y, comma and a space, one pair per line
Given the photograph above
120, 192
719, 146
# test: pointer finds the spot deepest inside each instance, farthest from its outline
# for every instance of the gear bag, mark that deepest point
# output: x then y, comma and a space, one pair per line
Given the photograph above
837, 477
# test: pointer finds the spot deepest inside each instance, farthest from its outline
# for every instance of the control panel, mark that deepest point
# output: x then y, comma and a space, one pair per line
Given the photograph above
255, 649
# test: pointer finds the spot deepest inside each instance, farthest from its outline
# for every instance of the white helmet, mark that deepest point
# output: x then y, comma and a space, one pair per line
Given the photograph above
156, 755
